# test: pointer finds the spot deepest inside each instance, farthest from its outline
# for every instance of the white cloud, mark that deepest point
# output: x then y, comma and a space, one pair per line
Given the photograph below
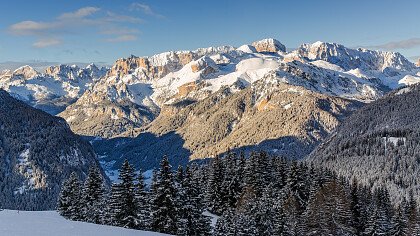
30, 27
146, 9
83, 20
80, 13
112, 17
122, 38
120, 31
43, 43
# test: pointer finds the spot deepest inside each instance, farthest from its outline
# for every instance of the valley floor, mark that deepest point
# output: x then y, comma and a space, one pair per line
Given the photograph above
50, 223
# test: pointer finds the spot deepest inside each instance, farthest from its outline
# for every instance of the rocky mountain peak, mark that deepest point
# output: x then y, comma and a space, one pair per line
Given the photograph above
349, 59
73, 72
418, 63
26, 72
159, 65
268, 45
60, 70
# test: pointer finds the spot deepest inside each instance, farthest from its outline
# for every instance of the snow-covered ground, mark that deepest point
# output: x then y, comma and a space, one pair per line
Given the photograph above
50, 223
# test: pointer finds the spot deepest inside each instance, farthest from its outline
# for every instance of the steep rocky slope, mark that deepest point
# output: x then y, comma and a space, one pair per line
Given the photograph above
379, 144
270, 115
53, 90
37, 151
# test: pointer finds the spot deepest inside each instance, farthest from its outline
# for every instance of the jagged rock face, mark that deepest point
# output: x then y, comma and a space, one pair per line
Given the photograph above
157, 66
25, 72
37, 152
418, 63
269, 45
115, 105
349, 59
53, 90
74, 73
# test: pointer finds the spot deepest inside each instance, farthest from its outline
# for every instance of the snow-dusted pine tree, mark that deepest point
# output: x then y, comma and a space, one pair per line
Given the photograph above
143, 203
214, 193
123, 204
93, 197
163, 207
69, 200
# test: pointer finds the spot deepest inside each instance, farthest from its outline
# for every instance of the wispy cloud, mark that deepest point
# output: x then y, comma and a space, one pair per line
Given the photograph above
146, 9
120, 31
30, 27
80, 13
112, 17
86, 19
402, 44
122, 38
43, 43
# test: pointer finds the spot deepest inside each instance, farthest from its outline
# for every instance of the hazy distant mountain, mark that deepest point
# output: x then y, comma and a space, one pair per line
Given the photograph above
42, 65
37, 152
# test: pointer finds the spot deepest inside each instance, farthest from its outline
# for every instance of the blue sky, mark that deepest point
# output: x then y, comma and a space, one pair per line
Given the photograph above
105, 30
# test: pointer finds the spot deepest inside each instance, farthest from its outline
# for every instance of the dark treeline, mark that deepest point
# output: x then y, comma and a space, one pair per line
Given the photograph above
255, 195
173, 204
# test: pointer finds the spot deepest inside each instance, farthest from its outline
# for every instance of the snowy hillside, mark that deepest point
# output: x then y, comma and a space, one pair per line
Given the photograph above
37, 152
50, 223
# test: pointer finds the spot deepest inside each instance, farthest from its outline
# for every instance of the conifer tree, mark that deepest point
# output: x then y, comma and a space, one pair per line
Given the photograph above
412, 216
69, 200
214, 193
399, 223
143, 203
191, 220
123, 204
296, 186
163, 208
356, 210
93, 197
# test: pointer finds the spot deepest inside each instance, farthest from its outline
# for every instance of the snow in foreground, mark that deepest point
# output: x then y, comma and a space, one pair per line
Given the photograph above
50, 223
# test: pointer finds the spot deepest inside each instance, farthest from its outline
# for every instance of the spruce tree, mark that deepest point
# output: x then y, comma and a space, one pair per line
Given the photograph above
143, 203
214, 192
123, 203
191, 220
69, 200
163, 209
356, 208
93, 197
296, 186
399, 223
412, 216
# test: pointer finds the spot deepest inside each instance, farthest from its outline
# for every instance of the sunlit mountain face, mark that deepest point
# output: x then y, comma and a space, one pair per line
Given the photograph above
209, 118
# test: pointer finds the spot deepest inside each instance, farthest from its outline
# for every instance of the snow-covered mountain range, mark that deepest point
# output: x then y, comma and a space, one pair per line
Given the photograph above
53, 90
139, 87
173, 96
